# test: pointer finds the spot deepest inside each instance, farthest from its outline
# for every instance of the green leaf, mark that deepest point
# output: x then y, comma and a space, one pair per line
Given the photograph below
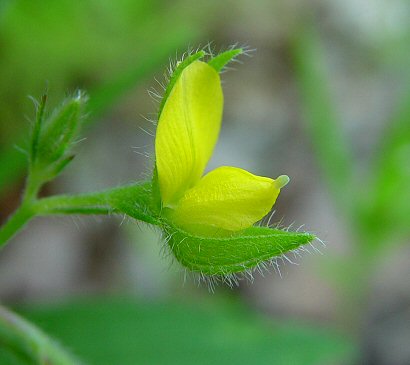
228, 255
320, 115
125, 331
386, 214
221, 60
24, 343
9, 358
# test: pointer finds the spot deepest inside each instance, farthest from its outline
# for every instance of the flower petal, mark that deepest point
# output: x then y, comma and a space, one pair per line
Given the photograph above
188, 129
226, 199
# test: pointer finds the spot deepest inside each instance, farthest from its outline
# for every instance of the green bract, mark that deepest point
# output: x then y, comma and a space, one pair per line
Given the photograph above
53, 137
228, 255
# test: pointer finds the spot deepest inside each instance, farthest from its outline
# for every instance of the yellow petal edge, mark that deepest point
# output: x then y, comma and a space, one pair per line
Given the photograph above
226, 199
187, 131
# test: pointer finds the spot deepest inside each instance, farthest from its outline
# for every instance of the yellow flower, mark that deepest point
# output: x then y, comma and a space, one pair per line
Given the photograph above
226, 199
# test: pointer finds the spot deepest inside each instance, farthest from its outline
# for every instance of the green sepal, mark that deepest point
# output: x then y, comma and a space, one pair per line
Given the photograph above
35, 136
156, 203
59, 131
176, 73
221, 60
235, 254
135, 201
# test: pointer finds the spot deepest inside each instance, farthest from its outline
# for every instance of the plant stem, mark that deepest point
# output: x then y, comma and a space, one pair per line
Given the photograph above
95, 203
15, 223
64, 204
30, 343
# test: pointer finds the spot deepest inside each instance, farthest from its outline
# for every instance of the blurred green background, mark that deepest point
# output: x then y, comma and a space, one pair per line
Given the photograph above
325, 98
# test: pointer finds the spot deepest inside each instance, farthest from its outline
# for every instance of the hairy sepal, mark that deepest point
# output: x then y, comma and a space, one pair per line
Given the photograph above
235, 254
220, 61
135, 201
60, 130
181, 66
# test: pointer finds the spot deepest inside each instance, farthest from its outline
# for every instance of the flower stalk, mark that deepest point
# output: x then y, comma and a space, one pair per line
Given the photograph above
101, 203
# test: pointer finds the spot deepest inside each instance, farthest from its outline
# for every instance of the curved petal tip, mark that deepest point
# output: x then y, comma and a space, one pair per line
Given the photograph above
282, 181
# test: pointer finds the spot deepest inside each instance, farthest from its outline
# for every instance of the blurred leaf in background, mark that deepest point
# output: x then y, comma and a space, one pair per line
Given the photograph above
9, 358
104, 46
372, 195
387, 205
125, 331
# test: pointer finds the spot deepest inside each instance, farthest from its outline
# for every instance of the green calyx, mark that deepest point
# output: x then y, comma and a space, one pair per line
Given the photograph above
229, 255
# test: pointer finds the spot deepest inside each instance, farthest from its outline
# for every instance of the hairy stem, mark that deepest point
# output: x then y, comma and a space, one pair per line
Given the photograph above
95, 203
30, 343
